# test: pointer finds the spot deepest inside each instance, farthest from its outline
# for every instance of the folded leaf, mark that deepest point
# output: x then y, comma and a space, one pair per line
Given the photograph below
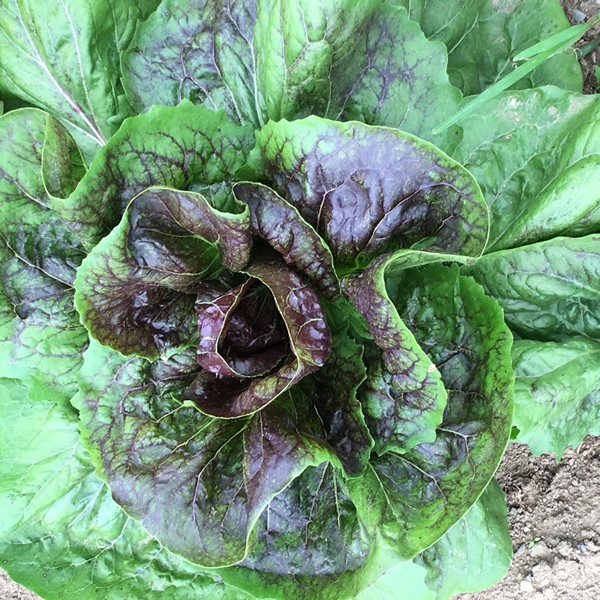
200, 484
64, 58
89, 546
307, 335
62, 163
557, 393
368, 189
538, 185
41, 340
412, 498
548, 291
403, 396
175, 147
280, 224
135, 290
244, 321
475, 553
483, 36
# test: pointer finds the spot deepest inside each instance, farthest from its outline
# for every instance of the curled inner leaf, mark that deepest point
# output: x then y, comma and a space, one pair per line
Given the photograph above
241, 332
306, 346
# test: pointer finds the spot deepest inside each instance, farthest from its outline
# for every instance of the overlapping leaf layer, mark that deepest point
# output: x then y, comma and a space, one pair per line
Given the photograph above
284, 321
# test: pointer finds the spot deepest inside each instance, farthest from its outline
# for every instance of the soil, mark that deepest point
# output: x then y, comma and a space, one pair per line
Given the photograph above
554, 518
553, 509
578, 11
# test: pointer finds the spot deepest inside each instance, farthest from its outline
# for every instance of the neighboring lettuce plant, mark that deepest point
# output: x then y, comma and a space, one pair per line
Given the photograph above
257, 319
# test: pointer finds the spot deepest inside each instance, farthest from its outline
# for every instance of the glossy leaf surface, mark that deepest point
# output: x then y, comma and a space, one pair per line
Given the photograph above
369, 189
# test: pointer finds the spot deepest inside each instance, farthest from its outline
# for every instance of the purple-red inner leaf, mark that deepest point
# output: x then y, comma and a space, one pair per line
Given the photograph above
270, 327
282, 226
241, 332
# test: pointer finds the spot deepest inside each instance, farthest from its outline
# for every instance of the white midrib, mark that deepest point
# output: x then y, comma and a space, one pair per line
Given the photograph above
94, 132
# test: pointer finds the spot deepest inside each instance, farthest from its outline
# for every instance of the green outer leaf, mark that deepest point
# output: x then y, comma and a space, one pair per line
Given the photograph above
64, 58
538, 139
198, 483
201, 50
413, 498
56, 514
569, 205
174, 147
343, 59
473, 554
282, 226
310, 529
400, 72
128, 289
403, 580
549, 290
41, 340
297, 43
557, 393
370, 189
381, 572
482, 37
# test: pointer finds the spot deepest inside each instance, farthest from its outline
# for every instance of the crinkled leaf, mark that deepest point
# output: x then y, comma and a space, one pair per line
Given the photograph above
549, 290
482, 37
541, 181
180, 233
403, 396
201, 50
377, 578
176, 147
135, 290
473, 554
413, 498
370, 189
64, 57
198, 483
57, 514
333, 392
557, 393
308, 336
41, 339
281, 225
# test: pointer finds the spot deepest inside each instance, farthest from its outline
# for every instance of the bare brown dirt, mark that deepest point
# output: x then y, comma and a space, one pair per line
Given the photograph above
554, 517
577, 11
